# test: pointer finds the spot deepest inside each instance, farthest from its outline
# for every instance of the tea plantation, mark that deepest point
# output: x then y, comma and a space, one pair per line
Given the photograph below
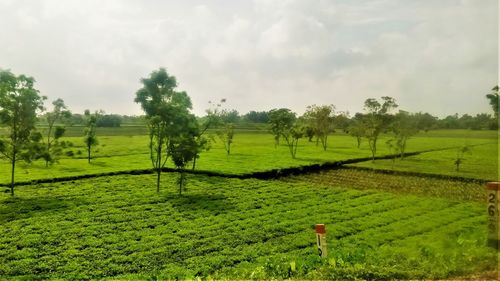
119, 227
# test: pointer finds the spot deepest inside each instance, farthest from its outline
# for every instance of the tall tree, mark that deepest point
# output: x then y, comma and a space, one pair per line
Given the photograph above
89, 134
377, 119
56, 120
19, 103
321, 118
162, 105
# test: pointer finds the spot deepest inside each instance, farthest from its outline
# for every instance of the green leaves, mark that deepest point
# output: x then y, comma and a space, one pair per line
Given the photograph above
19, 103
172, 128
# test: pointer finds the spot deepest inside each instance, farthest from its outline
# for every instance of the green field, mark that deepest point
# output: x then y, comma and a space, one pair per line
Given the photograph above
235, 229
255, 151
380, 224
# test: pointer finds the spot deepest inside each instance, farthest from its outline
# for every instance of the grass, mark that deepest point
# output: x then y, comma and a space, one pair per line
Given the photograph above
118, 227
480, 163
253, 152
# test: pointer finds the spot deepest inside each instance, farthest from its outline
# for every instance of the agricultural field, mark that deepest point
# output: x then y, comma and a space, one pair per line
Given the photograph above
481, 162
123, 149
118, 227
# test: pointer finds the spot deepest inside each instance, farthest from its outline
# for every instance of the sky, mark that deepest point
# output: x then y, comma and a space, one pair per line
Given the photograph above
436, 56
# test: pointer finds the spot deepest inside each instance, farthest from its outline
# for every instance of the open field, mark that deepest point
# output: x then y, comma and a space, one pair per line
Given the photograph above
255, 151
235, 229
480, 163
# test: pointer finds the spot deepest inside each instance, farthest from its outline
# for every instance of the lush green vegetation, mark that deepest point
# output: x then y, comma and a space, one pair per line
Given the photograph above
256, 152
234, 229
366, 179
480, 163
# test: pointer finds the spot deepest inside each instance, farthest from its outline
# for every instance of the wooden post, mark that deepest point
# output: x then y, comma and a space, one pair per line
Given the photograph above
321, 240
493, 200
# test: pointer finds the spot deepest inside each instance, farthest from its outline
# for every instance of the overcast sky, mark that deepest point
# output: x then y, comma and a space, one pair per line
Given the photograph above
437, 56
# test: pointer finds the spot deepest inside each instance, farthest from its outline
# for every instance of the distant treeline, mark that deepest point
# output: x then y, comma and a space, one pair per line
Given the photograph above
425, 121
103, 120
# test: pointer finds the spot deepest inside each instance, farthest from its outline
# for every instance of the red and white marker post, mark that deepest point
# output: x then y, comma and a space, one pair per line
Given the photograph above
321, 240
493, 200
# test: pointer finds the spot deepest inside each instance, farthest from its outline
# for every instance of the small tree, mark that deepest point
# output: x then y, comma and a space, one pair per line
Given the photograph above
184, 147
19, 103
357, 128
394, 148
226, 135
211, 120
55, 130
292, 136
377, 119
89, 133
225, 132
461, 151
281, 120
320, 118
404, 126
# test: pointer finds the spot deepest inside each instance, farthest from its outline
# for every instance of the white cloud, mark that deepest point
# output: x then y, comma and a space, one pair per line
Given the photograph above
436, 56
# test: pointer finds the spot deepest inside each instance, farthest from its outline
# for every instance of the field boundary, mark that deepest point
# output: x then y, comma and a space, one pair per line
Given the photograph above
419, 174
273, 173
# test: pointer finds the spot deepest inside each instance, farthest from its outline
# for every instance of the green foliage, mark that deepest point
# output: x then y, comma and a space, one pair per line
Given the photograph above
56, 121
461, 151
19, 103
377, 119
281, 120
493, 99
185, 147
357, 128
89, 134
166, 109
320, 119
404, 126
230, 229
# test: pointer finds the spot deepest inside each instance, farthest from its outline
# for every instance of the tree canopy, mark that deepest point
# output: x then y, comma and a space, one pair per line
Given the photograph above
19, 104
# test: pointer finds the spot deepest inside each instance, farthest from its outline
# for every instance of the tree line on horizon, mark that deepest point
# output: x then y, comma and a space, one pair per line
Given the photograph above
175, 133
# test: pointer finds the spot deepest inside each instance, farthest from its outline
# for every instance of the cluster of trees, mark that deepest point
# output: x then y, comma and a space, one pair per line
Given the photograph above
33, 131
320, 121
176, 134
105, 120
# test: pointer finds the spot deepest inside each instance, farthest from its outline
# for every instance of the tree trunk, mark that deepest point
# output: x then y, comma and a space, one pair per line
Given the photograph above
88, 153
194, 161
13, 168
158, 175
158, 168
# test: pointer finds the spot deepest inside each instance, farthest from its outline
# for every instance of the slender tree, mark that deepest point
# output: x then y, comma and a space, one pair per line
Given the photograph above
19, 103
56, 120
377, 119
162, 105
292, 136
184, 147
404, 126
89, 134
357, 128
